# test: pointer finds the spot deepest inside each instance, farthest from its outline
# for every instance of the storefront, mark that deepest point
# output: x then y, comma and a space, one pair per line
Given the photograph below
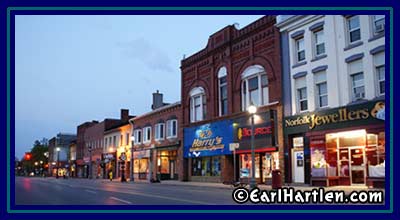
207, 149
109, 165
265, 147
340, 146
167, 163
141, 159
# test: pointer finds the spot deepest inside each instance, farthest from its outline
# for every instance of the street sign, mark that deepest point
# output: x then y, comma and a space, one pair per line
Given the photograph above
233, 146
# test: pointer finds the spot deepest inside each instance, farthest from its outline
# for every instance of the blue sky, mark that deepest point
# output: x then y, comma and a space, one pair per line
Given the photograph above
72, 69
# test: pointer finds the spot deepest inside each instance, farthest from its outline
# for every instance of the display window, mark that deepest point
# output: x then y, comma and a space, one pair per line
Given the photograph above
140, 165
206, 166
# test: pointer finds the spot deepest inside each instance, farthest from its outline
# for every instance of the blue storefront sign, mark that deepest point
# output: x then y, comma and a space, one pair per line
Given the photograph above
208, 140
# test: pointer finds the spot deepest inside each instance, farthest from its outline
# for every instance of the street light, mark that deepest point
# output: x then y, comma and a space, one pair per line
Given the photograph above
58, 159
131, 176
252, 109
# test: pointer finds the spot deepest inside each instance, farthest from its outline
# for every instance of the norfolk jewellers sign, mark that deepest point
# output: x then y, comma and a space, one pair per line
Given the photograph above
365, 113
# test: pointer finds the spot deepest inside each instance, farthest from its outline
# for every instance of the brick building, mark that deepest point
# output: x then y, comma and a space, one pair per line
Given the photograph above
94, 143
157, 141
237, 67
59, 153
80, 148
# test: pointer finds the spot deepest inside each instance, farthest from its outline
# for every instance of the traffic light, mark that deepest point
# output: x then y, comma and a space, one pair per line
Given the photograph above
28, 156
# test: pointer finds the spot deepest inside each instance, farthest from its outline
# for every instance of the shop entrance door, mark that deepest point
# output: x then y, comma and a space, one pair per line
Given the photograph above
357, 165
298, 165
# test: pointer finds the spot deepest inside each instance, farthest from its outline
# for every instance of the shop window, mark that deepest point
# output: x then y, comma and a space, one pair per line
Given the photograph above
319, 41
246, 167
270, 163
197, 104
353, 29
206, 166
375, 153
254, 87
223, 91
172, 128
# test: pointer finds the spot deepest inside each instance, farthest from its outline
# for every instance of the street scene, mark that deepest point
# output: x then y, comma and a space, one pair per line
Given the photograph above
282, 101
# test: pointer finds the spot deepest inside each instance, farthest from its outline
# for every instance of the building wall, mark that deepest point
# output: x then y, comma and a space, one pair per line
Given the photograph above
236, 49
257, 43
337, 50
165, 113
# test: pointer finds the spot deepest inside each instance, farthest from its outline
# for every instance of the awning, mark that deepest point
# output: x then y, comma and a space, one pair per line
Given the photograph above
267, 149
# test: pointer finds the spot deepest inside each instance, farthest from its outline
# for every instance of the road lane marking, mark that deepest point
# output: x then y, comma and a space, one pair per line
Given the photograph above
90, 191
121, 200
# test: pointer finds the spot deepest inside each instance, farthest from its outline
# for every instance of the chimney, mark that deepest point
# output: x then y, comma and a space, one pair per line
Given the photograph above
157, 100
124, 115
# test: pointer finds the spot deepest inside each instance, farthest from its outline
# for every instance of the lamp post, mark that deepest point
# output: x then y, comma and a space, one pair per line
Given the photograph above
41, 167
131, 177
90, 162
252, 109
58, 160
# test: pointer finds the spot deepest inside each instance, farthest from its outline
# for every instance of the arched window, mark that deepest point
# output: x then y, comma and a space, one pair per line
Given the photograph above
254, 87
222, 91
197, 104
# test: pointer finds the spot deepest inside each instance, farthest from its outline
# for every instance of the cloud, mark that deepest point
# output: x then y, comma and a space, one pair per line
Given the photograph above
142, 50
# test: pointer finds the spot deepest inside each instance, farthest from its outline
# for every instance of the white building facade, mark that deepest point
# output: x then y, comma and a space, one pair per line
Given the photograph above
331, 63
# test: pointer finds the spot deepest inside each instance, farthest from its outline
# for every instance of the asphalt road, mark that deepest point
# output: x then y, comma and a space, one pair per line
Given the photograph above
51, 191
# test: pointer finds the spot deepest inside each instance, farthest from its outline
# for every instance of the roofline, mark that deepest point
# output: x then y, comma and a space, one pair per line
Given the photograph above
155, 111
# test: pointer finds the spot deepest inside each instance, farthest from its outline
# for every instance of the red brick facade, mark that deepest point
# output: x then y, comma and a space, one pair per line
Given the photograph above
256, 44
161, 115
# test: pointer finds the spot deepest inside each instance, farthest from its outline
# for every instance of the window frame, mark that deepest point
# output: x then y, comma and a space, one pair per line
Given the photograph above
379, 80
245, 91
297, 50
169, 127
146, 136
197, 92
299, 100
374, 21
352, 76
315, 33
158, 131
349, 31
137, 133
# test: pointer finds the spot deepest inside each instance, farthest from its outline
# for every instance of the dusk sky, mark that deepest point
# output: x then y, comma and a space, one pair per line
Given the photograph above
72, 69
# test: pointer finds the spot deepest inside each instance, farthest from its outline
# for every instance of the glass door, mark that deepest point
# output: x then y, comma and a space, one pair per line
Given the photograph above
357, 165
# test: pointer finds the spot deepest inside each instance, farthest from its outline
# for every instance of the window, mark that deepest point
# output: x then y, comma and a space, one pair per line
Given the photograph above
378, 24
146, 134
172, 128
197, 104
254, 87
357, 80
301, 96
322, 89
106, 142
379, 64
353, 27
223, 94
206, 166
159, 131
300, 51
319, 43
138, 136
121, 139
127, 139
114, 141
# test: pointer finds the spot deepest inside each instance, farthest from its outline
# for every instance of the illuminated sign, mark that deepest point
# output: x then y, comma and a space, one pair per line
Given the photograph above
339, 115
208, 139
